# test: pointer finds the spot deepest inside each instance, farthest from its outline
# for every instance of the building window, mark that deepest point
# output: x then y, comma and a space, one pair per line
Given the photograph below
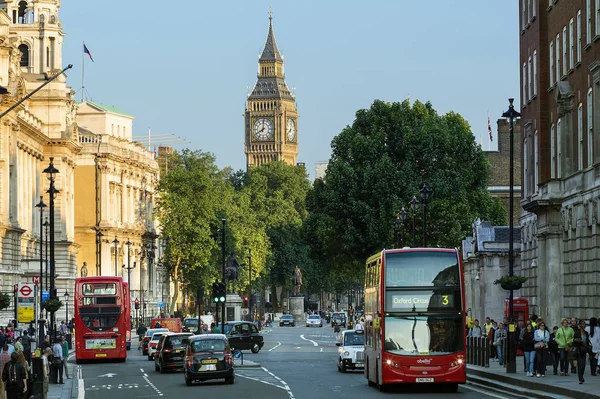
535, 162
524, 94
523, 14
579, 36
588, 31
557, 43
564, 50
552, 152
529, 77
534, 82
571, 44
580, 137
551, 57
24, 49
532, 9
590, 123
526, 166
597, 17
558, 148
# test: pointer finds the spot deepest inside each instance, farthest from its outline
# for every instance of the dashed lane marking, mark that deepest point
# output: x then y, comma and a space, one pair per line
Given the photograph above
151, 384
275, 347
80, 385
309, 340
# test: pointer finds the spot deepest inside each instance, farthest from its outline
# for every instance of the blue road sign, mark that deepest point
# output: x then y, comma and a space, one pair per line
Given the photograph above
161, 304
45, 295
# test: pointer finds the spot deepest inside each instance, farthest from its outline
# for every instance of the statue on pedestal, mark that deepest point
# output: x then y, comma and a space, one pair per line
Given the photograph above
231, 270
84, 270
297, 280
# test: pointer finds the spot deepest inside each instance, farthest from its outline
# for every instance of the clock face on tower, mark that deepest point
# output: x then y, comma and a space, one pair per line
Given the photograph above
263, 129
291, 130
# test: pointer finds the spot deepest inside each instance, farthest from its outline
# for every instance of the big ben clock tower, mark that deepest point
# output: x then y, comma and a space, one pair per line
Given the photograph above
271, 117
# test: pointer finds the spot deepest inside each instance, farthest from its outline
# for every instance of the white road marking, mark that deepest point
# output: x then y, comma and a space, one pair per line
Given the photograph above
309, 340
80, 385
286, 387
142, 370
321, 349
151, 384
488, 393
276, 346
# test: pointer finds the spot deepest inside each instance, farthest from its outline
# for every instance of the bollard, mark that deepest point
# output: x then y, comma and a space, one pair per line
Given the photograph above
37, 374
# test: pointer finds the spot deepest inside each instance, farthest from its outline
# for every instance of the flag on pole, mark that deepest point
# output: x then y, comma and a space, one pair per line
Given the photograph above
86, 51
490, 129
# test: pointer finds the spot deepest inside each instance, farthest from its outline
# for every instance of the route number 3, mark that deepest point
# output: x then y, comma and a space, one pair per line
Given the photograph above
445, 300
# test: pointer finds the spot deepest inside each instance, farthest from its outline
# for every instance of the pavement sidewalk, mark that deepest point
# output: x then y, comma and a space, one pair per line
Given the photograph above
550, 386
68, 390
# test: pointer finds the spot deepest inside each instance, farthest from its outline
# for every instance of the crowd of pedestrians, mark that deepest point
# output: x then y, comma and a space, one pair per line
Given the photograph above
568, 347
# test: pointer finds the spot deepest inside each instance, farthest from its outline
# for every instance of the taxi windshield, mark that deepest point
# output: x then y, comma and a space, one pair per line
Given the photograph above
354, 339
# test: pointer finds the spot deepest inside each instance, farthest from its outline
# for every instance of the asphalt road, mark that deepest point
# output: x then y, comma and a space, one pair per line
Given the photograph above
296, 363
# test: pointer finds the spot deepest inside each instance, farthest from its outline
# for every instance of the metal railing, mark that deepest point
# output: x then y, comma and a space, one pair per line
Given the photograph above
478, 351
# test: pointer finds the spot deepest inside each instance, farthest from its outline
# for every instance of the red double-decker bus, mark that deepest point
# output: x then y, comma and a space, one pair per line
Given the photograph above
415, 318
101, 318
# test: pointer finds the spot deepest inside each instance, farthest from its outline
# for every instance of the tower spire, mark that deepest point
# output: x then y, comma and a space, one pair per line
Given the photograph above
271, 52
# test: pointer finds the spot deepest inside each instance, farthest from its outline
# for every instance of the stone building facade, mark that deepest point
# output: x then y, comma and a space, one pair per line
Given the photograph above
271, 114
499, 160
41, 128
115, 182
560, 115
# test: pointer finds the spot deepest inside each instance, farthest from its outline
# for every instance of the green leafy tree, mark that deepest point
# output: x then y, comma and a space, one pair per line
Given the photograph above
378, 164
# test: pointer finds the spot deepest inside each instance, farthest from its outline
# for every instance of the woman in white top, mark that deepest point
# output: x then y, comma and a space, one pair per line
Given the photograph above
594, 333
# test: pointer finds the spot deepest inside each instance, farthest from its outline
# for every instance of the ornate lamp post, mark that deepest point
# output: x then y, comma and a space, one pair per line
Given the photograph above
414, 202
129, 268
99, 236
511, 115
66, 307
46, 227
425, 195
51, 171
223, 221
401, 219
116, 242
41, 206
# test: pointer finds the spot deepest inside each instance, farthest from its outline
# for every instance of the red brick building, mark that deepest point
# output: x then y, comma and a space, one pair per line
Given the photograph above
560, 86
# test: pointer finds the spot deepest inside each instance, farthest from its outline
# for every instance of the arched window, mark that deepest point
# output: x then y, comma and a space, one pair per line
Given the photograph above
52, 19
24, 49
23, 12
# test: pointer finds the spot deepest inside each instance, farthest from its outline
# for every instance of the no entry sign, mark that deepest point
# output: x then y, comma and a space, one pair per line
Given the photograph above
25, 291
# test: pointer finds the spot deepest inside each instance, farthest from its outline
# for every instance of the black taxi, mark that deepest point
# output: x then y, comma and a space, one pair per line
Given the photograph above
170, 351
208, 357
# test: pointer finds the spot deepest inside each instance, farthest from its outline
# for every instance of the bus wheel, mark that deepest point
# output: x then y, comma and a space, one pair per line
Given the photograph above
451, 388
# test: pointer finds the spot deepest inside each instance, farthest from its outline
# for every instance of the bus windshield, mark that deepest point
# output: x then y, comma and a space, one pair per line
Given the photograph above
423, 335
421, 269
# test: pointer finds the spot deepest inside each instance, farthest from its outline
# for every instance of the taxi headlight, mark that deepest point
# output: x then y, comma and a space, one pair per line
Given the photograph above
346, 353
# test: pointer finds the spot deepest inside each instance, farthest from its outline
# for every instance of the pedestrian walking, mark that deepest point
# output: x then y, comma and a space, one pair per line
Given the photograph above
553, 347
581, 342
57, 362
541, 338
594, 333
564, 339
499, 340
528, 349
15, 378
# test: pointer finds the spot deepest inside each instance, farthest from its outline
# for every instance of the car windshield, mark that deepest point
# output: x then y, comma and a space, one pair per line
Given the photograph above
353, 339
423, 335
208, 345
314, 317
339, 316
191, 323
287, 317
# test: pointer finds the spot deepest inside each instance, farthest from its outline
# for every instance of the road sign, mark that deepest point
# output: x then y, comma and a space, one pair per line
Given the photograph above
35, 280
45, 295
25, 291
160, 304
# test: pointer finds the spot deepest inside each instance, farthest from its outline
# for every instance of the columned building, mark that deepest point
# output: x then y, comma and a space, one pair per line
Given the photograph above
560, 120
41, 128
115, 182
271, 115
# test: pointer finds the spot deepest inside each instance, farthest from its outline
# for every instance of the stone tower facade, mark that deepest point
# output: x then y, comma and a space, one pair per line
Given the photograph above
271, 115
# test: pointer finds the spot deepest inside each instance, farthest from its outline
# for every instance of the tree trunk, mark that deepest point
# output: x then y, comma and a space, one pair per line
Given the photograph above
176, 285
274, 297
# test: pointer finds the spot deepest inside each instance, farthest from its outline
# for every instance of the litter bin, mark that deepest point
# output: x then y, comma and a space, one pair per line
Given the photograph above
37, 365
53, 374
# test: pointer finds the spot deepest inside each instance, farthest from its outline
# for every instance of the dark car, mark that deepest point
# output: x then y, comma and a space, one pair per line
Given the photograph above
208, 357
244, 335
338, 319
190, 324
287, 320
170, 351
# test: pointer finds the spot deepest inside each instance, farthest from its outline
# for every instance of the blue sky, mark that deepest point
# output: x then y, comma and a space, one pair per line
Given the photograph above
183, 68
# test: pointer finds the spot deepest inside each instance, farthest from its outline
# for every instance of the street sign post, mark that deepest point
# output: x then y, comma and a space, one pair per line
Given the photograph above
25, 303
45, 295
35, 280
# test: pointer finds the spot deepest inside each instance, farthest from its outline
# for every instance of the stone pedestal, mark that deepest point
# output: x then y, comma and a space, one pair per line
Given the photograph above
233, 307
297, 308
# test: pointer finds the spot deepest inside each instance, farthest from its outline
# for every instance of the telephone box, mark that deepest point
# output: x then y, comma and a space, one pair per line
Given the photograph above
520, 309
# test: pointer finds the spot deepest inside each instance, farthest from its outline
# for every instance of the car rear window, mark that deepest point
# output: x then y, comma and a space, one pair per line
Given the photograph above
208, 345
149, 333
175, 341
156, 336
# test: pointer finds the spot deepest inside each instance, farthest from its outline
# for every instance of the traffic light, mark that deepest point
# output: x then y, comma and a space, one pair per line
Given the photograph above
215, 292
222, 293
137, 303
245, 301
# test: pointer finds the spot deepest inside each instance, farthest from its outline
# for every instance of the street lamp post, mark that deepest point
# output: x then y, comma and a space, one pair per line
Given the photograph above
425, 195
250, 284
46, 227
116, 242
223, 221
511, 365
51, 171
414, 202
401, 218
66, 307
41, 206
99, 236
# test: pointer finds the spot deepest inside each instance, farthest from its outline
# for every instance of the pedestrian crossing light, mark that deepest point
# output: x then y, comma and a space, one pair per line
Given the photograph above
221, 292
137, 303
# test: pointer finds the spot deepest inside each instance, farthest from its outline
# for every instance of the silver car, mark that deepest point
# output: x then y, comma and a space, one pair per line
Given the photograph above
314, 321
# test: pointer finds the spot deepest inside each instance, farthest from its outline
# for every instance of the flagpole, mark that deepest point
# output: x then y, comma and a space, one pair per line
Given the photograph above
490, 141
82, 72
